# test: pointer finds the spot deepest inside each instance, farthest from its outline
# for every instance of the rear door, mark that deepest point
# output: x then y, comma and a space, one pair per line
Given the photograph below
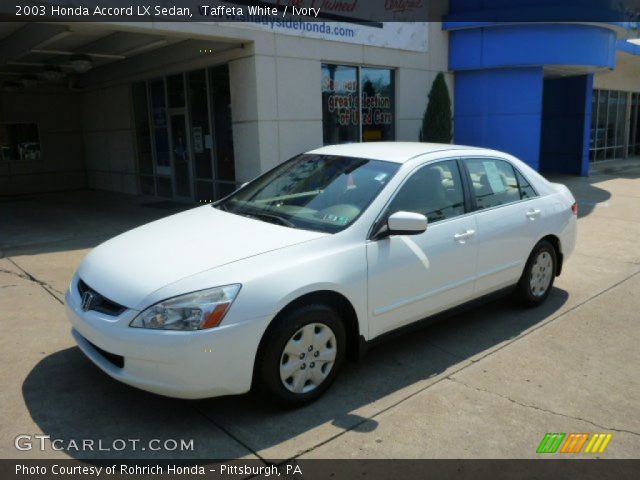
413, 276
508, 215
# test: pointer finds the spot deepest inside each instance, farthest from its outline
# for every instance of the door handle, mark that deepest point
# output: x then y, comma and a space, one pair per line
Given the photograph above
533, 214
462, 237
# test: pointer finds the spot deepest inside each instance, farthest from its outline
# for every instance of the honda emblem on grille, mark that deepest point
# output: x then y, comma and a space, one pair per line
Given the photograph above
87, 299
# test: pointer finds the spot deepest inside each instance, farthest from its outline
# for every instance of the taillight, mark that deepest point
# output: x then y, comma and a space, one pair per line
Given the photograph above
574, 208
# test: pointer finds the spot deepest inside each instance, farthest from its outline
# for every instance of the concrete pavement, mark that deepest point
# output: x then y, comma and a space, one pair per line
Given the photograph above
488, 383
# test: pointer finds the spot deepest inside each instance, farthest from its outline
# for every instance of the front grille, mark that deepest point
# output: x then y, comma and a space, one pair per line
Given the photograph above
99, 303
117, 360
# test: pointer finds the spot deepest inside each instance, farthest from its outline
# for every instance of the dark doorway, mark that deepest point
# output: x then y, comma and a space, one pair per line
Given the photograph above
566, 117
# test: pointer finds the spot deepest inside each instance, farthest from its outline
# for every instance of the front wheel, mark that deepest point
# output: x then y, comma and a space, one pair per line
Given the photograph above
538, 276
301, 355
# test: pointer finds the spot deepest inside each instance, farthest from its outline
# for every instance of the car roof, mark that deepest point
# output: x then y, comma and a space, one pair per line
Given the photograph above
398, 152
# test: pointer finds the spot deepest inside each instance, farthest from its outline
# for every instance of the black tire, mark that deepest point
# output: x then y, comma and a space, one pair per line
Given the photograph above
524, 293
270, 355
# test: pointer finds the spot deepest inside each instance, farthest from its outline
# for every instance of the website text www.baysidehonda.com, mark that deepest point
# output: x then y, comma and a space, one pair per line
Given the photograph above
334, 29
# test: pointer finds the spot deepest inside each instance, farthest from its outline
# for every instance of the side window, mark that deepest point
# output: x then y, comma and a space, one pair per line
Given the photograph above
526, 190
435, 191
494, 182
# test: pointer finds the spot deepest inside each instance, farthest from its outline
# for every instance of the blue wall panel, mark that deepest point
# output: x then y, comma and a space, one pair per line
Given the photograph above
499, 51
499, 91
500, 109
532, 45
499, 78
476, 11
465, 49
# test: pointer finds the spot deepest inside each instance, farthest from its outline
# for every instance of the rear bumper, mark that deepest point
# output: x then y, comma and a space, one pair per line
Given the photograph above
568, 238
187, 365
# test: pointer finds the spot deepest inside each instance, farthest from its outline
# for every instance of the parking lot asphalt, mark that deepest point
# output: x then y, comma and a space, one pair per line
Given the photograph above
488, 383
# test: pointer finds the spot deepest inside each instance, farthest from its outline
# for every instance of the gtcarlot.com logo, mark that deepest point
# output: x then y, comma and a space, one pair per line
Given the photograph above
26, 442
574, 443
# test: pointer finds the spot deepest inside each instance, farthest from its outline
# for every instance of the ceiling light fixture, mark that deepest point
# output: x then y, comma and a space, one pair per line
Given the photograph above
81, 63
51, 73
29, 81
10, 86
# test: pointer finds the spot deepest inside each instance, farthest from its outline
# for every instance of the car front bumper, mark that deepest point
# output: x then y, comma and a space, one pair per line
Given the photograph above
190, 365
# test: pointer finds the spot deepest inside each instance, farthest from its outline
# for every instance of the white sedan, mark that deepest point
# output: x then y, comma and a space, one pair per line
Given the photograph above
274, 285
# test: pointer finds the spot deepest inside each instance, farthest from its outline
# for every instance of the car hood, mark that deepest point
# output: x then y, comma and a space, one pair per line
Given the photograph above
129, 267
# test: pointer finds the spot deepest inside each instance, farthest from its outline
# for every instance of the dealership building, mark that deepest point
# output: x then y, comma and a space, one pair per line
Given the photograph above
187, 111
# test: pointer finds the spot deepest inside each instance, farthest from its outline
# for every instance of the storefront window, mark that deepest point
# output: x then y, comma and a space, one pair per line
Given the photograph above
602, 119
634, 133
163, 187
143, 132
19, 141
159, 123
377, 105
204, 191
340, 106
175, 91
201, 143
143, 138
358, 104
609, 125
147, 185
593, 133
224, 160
621, 125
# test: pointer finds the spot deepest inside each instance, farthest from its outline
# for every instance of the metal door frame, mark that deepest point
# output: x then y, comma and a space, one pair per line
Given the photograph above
171, 112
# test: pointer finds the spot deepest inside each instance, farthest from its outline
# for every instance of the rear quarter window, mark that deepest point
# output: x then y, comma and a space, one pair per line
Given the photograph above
526, 190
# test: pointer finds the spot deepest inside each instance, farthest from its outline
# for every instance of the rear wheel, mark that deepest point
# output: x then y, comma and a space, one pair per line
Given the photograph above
538, 275
300, 355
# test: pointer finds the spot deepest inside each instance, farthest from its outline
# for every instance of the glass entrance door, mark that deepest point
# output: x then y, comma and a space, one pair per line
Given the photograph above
181, 156
185, 136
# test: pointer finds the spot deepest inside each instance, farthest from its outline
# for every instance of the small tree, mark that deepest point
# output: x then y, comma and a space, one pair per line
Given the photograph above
436, 123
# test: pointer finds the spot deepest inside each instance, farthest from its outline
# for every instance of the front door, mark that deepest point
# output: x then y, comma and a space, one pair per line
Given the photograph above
413, 276
181, 157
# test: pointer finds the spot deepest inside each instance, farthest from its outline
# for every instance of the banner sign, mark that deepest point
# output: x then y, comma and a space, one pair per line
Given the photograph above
410, 36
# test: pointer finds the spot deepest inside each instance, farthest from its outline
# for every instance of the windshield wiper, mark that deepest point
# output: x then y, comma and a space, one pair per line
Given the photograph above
267, 217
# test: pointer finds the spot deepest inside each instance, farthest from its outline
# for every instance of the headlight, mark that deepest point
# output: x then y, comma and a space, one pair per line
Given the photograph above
193, 311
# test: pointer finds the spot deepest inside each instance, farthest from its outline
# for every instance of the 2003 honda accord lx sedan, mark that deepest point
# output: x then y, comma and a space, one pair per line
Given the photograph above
275, 284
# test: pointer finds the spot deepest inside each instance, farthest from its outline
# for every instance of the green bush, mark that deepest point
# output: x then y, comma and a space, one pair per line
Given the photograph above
437, 121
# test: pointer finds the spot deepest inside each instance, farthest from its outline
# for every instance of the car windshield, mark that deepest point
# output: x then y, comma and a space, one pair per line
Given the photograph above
313, 192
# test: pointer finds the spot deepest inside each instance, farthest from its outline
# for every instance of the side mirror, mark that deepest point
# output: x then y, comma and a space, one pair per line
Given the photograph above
406, 223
